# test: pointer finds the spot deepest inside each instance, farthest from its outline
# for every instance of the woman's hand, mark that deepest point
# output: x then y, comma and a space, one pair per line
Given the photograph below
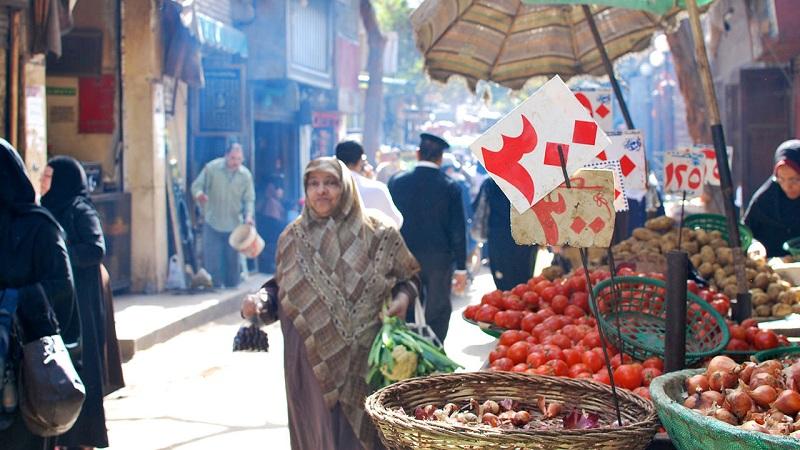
398, 306
250, 306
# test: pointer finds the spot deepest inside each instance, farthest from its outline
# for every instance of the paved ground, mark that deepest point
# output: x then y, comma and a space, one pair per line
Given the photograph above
192, 393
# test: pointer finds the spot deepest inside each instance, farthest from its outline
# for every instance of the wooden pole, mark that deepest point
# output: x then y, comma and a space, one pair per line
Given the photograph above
13, 80
675, 338
742, 309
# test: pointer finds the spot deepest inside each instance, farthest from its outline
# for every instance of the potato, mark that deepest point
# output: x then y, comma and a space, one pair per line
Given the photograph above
729, 270
706, 270
718, 243
773, 290
654, 244
724, 255
697, 261
668, 246
759, 299
690, 247
714, 234
552, 272
786, 297
662, 224
796, 308
702, 237
730, 290
781, 310
643, 234
763, 311
719, 276
730, 279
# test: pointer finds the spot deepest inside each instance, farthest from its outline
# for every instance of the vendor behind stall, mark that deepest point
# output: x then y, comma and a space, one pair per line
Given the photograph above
774, 212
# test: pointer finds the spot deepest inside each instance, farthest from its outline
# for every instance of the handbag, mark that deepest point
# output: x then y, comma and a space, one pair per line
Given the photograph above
480, 218
51, 392
421, 327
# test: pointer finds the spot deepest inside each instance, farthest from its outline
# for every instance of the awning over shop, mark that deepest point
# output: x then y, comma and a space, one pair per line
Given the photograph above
215, 34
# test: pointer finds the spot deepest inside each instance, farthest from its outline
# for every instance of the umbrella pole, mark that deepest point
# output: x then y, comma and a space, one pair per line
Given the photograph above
742, 309
607, 64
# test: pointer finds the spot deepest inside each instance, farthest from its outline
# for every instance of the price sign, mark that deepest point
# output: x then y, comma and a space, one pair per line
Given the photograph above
627, 147
599, 105
684, 172
520, 151
711, 167
620, 194
581, 216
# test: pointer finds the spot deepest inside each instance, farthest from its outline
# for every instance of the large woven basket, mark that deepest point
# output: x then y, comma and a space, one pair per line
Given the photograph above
401, 431
690, 430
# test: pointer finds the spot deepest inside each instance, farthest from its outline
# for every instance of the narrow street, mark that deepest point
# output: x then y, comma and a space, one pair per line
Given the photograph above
193, 392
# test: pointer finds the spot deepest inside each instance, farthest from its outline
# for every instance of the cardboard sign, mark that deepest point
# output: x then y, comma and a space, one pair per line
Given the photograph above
520, 151
598, 103
580, 216
620, 194
711, 168
627, 147
684, 172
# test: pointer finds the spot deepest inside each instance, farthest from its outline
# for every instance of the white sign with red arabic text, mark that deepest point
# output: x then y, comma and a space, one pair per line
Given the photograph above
598, 103
684, 172
627, 147
521, 150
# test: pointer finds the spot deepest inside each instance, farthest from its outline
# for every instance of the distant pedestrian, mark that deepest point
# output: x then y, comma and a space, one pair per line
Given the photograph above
374, 194
35, 275
434, 230
67, 198
270, 221
224, 190
337, 267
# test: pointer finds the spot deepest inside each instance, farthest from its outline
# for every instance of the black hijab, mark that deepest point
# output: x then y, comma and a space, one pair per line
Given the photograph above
68, 184
789, 152
17, 195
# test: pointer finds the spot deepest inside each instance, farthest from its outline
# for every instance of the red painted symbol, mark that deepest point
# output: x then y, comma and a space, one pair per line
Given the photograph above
545, 210
695, 178
578, 225
583, 100
602, 111
616, 194
505, 162
602, 156
584, 132
627, 165
597, 225
669, 171
551, 154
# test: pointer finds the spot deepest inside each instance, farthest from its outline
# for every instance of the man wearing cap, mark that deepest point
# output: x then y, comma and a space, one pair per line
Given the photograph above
434, 229
373, 193
224, 190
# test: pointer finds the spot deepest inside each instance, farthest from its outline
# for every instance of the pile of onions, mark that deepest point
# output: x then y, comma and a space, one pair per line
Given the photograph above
761, 397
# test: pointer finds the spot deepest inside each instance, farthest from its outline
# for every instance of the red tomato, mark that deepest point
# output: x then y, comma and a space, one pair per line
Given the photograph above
747, 323
470, 311
560, 368
504, 364
765, 339
648, 374
544, 369
618, 359
521, 367
577, 284
570, 331
654, 362
541, 286
493, 298
509, 337
552, 352
576, 369
591, 340
532, 340
751, 333
642, 391
691, 285
545, 312
499, 352
601, 376
486, 314
548, 293
572, 356
581, 300
559, 303
501, 319
518, 352
592, 360
627, 375
721, 305
513, 319
513, 302
584, 376
574, 311
528, 322
737, 345
535, 359
520, 289
531, 299
737, 332
561, 340
553, 323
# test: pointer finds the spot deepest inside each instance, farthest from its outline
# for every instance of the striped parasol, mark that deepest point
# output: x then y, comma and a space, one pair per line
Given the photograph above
509, 42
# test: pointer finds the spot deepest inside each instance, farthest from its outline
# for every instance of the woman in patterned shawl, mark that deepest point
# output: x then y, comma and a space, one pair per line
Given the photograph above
336, 268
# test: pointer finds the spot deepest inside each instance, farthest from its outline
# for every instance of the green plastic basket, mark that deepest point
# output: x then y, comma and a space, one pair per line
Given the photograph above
793, 247
640, 307
778, 352
690, 430
716, 222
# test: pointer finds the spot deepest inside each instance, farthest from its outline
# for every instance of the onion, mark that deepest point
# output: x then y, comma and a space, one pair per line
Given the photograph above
763, 379
753, 426
696, 384
692, 402
738, 402
788, 402
710, 398
725, 416
722, 380
763, 395
771, 367
793, 376
746, 371
722, 363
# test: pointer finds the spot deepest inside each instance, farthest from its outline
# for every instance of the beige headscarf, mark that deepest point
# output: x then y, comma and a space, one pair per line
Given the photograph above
335, 274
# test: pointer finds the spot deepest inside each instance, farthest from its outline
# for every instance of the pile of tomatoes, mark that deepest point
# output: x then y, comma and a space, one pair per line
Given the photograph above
748, 337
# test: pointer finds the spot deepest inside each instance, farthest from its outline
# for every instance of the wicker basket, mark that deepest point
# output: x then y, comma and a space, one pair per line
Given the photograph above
400, 431
639, 305
689, 430
716, 222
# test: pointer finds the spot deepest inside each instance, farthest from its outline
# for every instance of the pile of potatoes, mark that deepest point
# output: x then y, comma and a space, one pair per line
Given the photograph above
713, 258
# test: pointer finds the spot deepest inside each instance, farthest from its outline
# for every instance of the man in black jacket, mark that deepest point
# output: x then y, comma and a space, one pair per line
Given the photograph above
434, 230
